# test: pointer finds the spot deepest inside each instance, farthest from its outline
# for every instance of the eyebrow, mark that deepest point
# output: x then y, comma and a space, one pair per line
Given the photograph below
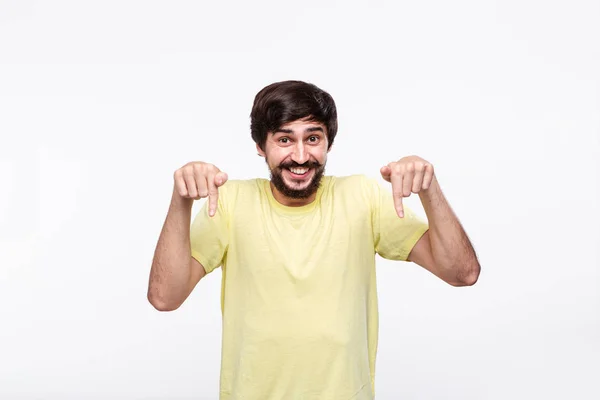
307, 130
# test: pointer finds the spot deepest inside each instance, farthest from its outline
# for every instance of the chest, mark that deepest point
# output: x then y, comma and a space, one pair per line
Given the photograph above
319, 243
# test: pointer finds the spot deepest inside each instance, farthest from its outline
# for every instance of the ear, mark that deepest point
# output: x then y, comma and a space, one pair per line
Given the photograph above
260, 151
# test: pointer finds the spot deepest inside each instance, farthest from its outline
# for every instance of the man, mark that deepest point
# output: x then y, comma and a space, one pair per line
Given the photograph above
299, 298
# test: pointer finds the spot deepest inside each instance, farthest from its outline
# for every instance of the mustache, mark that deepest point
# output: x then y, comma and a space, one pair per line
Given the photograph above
293, 164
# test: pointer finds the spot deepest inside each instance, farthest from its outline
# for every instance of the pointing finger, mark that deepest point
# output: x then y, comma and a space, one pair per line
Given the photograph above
397, 182
214, 182
213, 195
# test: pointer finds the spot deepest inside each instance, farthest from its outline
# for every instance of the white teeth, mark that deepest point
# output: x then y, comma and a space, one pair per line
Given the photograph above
299, 171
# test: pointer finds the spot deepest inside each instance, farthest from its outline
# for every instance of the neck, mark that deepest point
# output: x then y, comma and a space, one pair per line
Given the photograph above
291, 202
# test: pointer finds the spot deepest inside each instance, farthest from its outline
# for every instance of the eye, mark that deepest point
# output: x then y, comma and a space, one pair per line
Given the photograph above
313, 139
284, 140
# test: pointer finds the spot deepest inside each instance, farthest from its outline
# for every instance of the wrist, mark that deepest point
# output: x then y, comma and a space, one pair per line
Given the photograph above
181, 203
432, 193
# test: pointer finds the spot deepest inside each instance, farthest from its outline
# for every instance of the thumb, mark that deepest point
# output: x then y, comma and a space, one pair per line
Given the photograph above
386, 172
220, 179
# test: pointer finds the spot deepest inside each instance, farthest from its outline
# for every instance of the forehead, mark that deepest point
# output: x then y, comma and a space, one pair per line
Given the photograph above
301, 126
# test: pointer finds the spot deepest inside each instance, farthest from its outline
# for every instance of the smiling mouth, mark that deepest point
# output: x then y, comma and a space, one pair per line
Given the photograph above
298, 173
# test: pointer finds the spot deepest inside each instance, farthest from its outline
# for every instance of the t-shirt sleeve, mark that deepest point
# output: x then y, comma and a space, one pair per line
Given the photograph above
209, 236
394, 237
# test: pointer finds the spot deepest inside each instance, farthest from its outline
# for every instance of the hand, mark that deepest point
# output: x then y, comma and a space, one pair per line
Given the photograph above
197, 180
409, 174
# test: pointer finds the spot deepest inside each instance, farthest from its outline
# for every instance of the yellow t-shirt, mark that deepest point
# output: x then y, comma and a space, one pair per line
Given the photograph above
299, 296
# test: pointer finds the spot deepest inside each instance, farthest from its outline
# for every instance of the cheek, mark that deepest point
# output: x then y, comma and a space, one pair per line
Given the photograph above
320, 155
276, 157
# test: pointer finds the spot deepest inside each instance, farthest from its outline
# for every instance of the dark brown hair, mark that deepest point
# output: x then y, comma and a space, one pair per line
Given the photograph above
288, 101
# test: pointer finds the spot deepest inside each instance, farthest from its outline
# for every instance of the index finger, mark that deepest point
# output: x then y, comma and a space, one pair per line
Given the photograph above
213, 195
397, 181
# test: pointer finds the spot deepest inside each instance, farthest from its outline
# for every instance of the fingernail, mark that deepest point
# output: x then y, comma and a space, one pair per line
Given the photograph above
211, 212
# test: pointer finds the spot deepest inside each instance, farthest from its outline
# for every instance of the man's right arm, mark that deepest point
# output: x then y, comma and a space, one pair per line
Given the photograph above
174, 272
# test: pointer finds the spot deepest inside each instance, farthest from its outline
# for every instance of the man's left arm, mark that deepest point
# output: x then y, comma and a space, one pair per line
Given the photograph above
445, 249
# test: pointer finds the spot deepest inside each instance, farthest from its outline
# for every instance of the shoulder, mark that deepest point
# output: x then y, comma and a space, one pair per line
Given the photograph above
244, 184
357, 183
355, 189
343, 182
234, 189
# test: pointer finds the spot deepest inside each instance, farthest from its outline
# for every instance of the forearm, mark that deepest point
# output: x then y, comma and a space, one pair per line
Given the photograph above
170, 274
451, 248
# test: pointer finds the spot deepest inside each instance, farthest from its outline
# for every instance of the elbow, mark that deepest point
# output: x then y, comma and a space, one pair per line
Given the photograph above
160, 304
469, 280
467, 275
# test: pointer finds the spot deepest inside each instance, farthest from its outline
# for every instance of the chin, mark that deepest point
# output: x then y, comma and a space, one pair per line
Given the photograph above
297, 186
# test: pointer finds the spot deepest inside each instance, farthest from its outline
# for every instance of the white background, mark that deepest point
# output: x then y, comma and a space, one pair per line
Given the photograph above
100, 102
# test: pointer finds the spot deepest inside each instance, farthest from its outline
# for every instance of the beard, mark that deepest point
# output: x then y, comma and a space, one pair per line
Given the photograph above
279, 182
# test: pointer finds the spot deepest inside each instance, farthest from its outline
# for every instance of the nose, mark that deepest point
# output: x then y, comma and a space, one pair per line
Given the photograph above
300, 154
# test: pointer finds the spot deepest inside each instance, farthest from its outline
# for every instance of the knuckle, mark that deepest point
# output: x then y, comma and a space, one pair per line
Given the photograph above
188, 171
198, 167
